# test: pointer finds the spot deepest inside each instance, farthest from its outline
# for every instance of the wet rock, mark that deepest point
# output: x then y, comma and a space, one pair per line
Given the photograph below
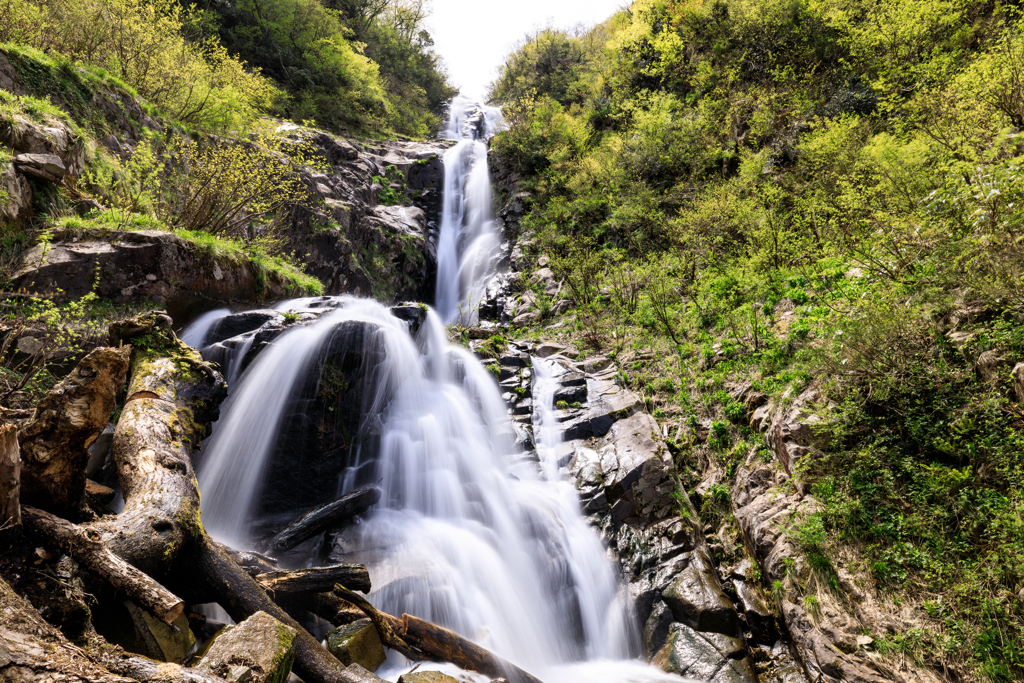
711, 657
657, 629
239, 323
258, 650
695, 598
357, 643
427, 677
414, 314
759, 617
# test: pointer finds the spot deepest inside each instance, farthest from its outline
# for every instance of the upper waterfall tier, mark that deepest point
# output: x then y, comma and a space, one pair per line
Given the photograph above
468, 247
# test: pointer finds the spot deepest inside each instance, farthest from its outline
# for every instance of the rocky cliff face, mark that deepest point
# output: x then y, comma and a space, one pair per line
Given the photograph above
371, 227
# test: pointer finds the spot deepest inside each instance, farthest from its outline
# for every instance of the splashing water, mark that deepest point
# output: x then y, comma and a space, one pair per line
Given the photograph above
468, 245
470, 533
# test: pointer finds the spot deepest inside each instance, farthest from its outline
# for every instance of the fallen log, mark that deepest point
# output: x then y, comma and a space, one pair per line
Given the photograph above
172, 397
86, 547
419, 639
330, 608
54, 440
10, 477
330, 516
316, 579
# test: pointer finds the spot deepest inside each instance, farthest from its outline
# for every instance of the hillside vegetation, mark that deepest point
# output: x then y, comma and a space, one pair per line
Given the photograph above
786, 195
166, 115
364, 66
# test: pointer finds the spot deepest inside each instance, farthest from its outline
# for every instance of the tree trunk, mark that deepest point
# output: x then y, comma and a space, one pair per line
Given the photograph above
316, 580
10, 477
330, 516
146, 670
172, 396
65, 423
85, 547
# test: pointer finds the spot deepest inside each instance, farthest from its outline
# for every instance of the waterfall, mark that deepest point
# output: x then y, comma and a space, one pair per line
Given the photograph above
471, 532
468, 244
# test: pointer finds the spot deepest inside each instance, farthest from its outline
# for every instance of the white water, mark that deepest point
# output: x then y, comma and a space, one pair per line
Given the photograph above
469, 533
468, 243
195, 334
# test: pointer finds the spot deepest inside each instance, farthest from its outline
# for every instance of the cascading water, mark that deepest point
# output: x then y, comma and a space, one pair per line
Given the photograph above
468, 244
470, 533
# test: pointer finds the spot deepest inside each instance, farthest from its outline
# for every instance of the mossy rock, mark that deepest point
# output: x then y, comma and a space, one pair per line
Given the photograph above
357, 643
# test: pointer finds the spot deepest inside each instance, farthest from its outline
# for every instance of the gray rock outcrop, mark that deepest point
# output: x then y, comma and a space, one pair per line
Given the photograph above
258, 650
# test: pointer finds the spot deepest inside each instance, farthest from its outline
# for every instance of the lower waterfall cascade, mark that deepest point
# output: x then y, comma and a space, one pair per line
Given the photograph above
472, 532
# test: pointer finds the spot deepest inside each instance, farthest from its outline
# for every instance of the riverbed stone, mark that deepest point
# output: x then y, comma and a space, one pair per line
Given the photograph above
258, 650
357, 643
427, 677
711, 657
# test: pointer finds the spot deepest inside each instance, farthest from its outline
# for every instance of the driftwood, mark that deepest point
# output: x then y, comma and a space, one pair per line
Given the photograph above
54, 440
419, 639
85, 546
10, 477
146, 670
172, 396
316, 580
330, 516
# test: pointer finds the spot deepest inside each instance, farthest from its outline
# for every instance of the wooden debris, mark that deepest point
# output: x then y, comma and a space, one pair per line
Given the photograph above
419, 639
331, 516
86, 547
10, 477
316, 580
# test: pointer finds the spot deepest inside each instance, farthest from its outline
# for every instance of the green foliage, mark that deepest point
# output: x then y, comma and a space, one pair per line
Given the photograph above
353, 65
148, 45
746, 199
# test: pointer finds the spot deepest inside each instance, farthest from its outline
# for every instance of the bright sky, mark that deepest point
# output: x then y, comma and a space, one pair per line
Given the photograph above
473, 36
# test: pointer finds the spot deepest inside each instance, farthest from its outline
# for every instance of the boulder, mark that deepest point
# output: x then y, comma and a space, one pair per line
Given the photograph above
357, 643
128, 266
239, 323
427, 677
710, 657
137, 631
258, 650
48, 166
695, 598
